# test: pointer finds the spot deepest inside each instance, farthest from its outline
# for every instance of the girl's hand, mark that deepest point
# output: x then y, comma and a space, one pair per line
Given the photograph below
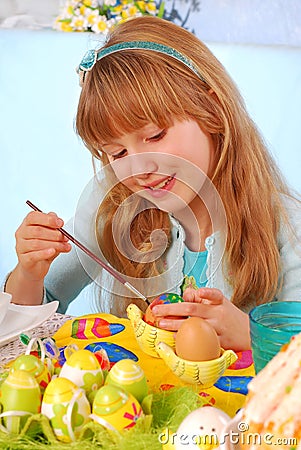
38, 242
230, 323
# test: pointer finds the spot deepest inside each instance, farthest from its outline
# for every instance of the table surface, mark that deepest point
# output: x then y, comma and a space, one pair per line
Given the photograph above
227, 394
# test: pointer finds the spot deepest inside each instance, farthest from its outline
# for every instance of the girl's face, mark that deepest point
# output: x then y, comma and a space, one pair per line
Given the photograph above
166, 166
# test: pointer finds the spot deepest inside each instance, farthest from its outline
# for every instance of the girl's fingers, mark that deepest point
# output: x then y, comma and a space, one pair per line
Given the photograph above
204, 295
210, 296
182, 309
42, 233
189, 295
34, 258
34, 245
37, 256
50, 220
170, 324
206, 310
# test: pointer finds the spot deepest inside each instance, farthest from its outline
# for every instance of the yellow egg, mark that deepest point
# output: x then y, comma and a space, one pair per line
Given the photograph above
196, 340
84, 360
115, 409
83, 368
67, 408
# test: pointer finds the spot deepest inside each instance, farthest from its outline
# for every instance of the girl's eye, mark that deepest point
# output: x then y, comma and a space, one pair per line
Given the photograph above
157, 137
119, 155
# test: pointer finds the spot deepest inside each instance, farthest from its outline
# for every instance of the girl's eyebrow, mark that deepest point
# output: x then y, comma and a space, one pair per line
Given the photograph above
111, 145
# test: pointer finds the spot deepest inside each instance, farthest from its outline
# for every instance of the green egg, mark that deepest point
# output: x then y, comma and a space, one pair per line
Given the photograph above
19, 392
128, 375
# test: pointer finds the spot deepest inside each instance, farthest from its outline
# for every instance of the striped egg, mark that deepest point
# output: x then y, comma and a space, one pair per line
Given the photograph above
19, 393
35, 366
128, 375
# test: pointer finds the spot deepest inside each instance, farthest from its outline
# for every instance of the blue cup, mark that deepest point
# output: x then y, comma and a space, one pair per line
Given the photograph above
271, 326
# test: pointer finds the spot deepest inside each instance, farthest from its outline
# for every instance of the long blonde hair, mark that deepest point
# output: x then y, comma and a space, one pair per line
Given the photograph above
129, 89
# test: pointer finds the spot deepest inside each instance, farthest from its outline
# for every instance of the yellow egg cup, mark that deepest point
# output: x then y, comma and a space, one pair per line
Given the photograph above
205, 373
161, 344
148, 336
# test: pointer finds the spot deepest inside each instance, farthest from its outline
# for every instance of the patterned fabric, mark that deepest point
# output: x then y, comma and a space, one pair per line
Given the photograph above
227, 394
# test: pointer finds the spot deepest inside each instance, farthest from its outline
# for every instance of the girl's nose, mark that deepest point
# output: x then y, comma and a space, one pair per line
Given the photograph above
142, 164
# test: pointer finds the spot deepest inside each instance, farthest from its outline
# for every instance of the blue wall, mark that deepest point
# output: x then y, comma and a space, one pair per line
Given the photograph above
40, 155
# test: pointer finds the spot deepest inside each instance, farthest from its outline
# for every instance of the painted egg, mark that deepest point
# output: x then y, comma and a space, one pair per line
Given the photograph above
115, 409
202, 428
35, 367
83, 368
67, 408
19, 392
128, 375
163, 299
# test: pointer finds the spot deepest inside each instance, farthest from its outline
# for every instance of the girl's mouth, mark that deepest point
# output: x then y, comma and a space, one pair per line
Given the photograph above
161, 185
160, 189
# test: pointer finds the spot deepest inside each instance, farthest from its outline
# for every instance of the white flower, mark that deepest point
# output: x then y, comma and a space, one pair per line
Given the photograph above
108, 2
91, 17
78, 23
102, 25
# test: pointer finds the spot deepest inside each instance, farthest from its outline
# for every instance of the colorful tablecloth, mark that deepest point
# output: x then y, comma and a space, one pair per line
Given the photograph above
116, 336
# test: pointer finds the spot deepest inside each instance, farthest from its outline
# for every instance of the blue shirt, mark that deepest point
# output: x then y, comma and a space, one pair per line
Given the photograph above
195, 265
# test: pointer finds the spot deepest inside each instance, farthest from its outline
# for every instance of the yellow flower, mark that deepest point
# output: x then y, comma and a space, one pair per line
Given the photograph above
66, 27
86, 15
101, 26
78, 24
132, 10
118, 9
91, 19
151, 7
141, 5
124, 14
70, 10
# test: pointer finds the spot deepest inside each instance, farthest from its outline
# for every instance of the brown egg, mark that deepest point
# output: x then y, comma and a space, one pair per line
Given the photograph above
196, 340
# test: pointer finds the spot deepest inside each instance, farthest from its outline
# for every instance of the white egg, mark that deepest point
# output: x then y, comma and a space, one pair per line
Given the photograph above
202, 429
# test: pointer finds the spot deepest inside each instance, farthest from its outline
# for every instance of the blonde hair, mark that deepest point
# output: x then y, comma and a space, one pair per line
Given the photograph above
129, 89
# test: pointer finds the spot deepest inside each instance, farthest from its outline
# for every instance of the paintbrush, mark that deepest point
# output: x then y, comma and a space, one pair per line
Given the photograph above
95, 258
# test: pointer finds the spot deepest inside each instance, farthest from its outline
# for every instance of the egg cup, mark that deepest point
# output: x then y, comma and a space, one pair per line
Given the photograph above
161, 344
148, 336
205, 373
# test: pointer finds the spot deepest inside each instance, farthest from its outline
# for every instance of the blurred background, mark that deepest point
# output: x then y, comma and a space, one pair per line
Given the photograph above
258, 41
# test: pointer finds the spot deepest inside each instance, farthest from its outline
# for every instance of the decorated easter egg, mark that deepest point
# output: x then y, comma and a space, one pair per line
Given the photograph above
115, 409
163, 299
67, 408
19, 394
35, 366
127, 374
202, 428
83, 368
196, 340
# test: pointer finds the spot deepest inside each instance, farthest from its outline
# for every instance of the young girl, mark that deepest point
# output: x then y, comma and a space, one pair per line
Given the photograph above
190, 200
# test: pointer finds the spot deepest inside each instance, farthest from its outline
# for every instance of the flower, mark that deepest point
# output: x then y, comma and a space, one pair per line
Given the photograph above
99, 16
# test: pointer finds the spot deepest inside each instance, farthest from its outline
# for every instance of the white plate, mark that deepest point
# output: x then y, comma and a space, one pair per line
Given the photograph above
20, 319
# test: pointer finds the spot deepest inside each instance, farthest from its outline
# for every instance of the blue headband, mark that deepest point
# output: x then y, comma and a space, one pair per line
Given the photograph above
90, 58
